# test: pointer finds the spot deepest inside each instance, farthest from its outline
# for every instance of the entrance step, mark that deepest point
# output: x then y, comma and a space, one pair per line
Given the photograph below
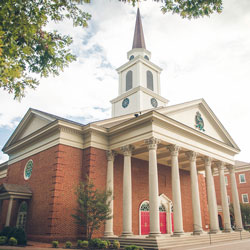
166, 241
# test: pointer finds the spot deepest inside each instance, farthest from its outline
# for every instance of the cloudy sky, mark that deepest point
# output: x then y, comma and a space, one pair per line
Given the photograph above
204, 58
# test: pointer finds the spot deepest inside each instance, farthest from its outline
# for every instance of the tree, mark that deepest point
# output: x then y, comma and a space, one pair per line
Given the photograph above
245, 213
28, 50
188, 8
93, 208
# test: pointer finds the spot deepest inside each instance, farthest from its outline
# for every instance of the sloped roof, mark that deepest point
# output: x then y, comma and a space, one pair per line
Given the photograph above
14, 188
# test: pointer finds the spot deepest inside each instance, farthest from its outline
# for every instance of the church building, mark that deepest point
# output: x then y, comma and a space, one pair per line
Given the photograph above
157, 160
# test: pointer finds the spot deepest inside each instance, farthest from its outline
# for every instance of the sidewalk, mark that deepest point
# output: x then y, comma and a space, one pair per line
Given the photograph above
34, 245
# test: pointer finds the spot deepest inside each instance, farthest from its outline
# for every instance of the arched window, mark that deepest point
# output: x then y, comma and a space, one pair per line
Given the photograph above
129, 80
150, 83
22, 215
144, 206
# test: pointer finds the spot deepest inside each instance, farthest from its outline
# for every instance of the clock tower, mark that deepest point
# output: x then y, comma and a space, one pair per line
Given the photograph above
139, 79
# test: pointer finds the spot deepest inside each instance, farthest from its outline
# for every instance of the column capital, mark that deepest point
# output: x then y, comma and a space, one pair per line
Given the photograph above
191, 155
127, 150
231, 168
152, 142
174, 149
110, 154
220, 165
207, 161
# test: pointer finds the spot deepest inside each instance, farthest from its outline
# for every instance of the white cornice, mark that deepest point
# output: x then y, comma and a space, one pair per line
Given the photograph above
136, 60
139, 88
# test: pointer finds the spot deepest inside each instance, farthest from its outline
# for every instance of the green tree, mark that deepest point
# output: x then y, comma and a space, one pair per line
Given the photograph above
93, 208
245, 213
187, 8
28, 50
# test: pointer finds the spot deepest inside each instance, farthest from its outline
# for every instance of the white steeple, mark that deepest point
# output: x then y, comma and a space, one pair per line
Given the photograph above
139, 79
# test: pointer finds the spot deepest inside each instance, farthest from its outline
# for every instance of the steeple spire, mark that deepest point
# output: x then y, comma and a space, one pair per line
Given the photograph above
139, 41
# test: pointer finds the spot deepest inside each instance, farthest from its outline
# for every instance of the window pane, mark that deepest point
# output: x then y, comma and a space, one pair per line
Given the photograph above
242, 178
150, 80
129, 79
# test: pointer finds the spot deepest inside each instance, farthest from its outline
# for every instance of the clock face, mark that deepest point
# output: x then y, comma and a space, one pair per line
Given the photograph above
125, 103
154, 102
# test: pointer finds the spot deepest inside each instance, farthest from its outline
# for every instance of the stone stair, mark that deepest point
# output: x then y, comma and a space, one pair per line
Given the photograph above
166, 241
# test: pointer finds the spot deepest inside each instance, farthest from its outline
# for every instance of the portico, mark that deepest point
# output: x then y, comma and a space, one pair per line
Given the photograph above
159, 140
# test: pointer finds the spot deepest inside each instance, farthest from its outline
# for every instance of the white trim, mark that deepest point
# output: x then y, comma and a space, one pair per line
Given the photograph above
244, 178
242, 196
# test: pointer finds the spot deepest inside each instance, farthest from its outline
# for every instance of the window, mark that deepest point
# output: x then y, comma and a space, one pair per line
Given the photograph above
242, 178
129, 80
22, 215
146, 57
28, 169
131, 57
245, 198
150, 84
226, 180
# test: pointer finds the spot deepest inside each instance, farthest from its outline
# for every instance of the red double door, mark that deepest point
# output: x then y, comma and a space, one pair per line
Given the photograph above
145, 226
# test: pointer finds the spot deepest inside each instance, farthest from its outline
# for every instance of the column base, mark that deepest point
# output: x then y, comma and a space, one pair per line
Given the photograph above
228, 230
177, 234
109, 234
126, 234
154, 235
197, 232
239, 229
214, 231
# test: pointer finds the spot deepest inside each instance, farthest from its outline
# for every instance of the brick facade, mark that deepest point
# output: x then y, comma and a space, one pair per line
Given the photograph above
57, 172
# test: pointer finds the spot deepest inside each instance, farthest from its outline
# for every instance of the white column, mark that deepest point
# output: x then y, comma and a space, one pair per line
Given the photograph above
211, 197
236, 203
127, 191
153, 188
195, 193
176, 190
110, 188
7, 223
224, 200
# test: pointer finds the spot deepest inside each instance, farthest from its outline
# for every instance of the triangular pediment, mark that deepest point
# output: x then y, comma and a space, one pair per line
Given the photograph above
186, 114
31, 122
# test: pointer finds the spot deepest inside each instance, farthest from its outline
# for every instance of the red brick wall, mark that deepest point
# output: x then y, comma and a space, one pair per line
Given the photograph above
243, 188
57, 172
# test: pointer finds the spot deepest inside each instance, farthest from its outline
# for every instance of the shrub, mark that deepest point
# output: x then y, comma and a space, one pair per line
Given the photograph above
133, 247
18, 233
79, 243
84, 244
94, 243
12, 241
3, 240
109, 243
68, 244
116, 244
55, 243
7, 231
103, 244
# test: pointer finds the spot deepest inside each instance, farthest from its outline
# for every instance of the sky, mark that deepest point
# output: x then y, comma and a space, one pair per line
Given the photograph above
203, 58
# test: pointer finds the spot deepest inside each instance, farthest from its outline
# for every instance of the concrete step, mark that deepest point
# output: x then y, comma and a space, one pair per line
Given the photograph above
167, 241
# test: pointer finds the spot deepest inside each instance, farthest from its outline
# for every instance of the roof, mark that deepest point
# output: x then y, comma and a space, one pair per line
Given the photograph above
139, 41
14, 188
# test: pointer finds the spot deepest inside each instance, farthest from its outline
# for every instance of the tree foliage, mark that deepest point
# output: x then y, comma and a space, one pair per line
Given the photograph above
25, 45
28, 50
245, 213
93, 207
187, 8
